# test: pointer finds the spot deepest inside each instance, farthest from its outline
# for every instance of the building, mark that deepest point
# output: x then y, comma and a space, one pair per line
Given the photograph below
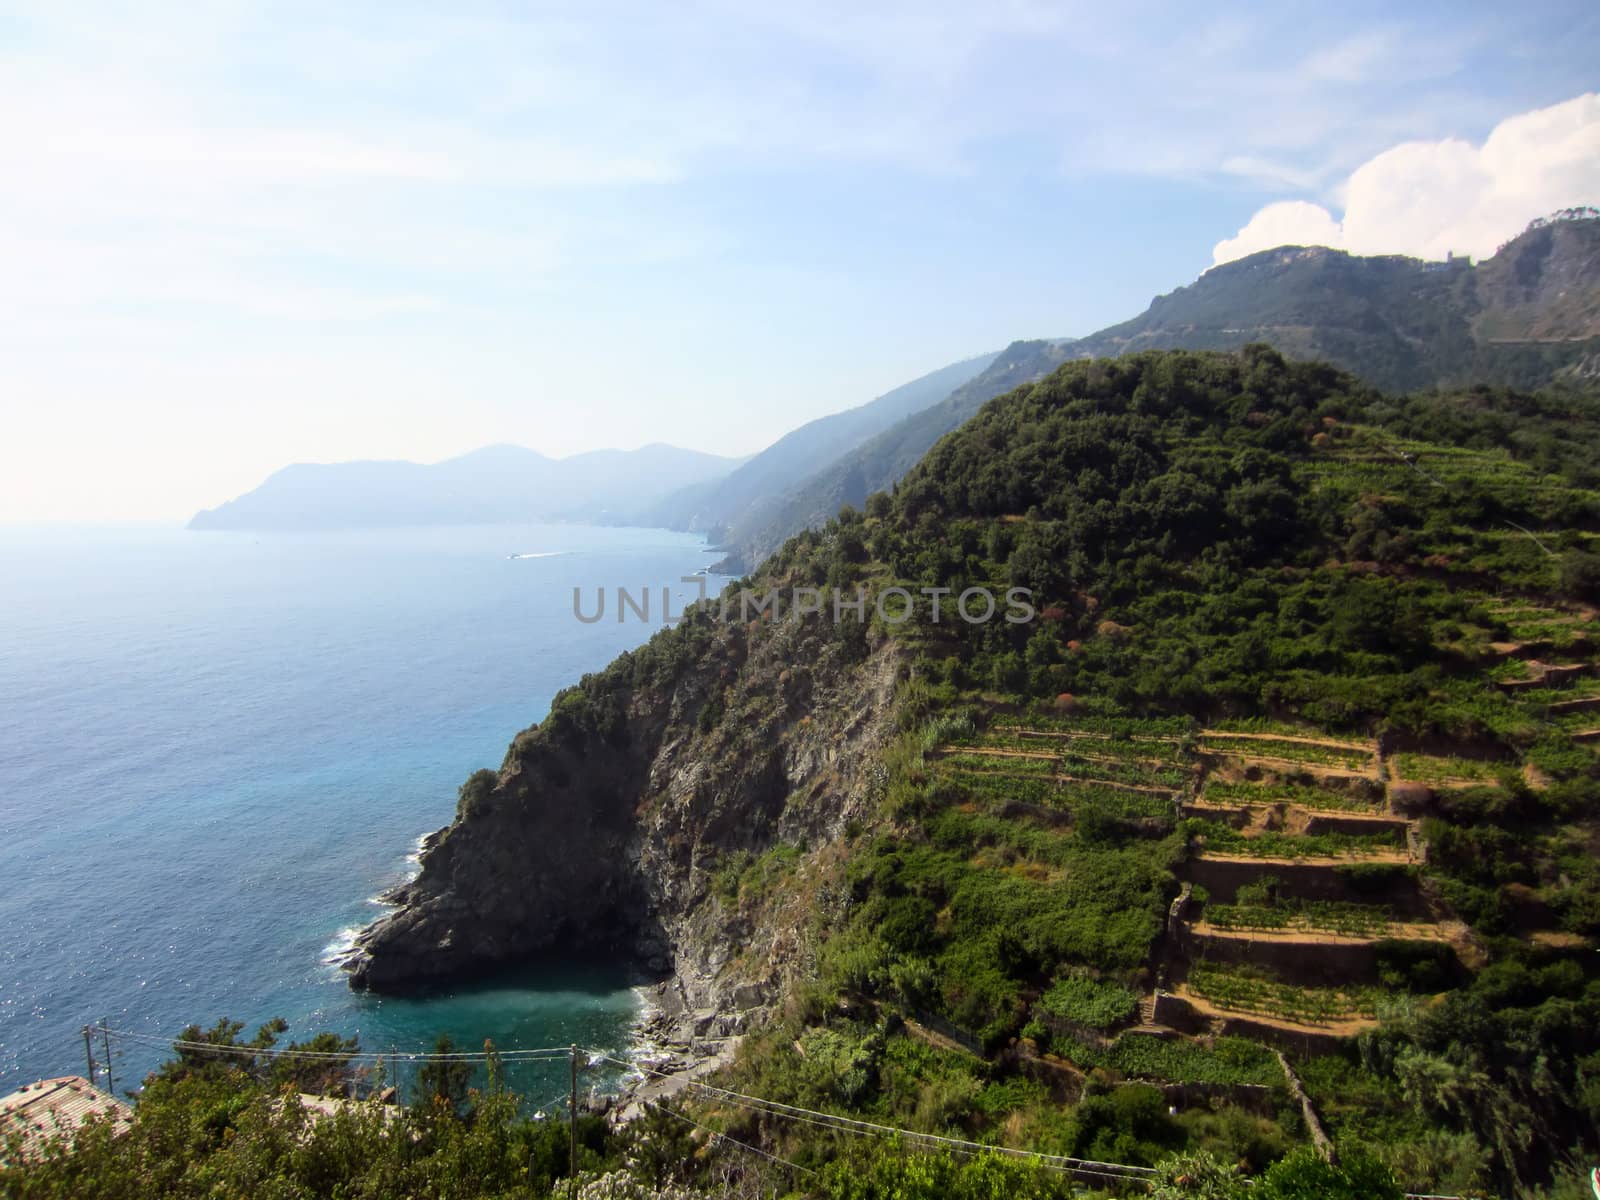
56, 1107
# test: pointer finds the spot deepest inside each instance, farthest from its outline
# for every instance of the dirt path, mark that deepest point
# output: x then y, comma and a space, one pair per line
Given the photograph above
1411, 931
1386, 857
936, 1039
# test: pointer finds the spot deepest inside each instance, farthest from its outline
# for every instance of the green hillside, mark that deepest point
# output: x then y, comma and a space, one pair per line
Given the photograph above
1327, 659
1526, 317
1290, 789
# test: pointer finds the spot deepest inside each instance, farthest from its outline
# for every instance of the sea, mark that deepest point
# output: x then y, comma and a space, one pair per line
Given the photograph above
218, 749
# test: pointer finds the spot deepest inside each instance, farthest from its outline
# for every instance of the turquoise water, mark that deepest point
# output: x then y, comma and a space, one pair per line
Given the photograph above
216, 748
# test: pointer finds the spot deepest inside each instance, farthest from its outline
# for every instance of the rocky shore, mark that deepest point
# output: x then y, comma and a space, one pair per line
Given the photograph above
633, 826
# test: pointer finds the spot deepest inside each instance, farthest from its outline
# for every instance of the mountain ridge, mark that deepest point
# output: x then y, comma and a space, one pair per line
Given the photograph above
802, 451
1526, 316
498, 483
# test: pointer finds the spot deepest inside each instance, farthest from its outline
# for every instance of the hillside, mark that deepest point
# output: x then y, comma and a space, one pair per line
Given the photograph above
1517, 319
491, 485
1525, 317
1297, 753
714, 506
773, 516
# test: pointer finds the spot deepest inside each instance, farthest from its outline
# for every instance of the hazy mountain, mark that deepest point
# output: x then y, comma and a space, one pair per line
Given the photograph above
805, 451
1523, 318
494, 484
876, 463
1520, 318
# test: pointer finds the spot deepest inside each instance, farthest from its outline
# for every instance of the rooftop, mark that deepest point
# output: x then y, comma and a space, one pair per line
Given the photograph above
52, 1107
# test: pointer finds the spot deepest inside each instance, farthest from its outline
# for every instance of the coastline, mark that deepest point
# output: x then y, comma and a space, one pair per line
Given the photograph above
666, 1055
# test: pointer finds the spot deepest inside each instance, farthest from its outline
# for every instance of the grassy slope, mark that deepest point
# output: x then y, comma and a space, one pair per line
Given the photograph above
1220, 537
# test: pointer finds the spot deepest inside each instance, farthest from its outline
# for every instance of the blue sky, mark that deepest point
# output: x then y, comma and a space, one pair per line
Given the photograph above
238, 235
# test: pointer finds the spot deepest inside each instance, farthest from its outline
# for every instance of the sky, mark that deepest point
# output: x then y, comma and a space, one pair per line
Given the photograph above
236, 235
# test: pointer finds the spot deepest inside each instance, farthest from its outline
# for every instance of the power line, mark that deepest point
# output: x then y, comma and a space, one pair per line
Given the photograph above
372, 1056
791, 1112
722, 1137
851, 1125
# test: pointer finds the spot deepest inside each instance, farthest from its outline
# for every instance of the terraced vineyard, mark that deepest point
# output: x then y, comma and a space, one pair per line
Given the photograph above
1447, 771
1225, 1061
1067, 768
1257, 993
1224, 793
1139, 756
1316, 801
1286, 729
1363, 765
1251, 747
997, 788
1537, 623
1213, 837
1327, 916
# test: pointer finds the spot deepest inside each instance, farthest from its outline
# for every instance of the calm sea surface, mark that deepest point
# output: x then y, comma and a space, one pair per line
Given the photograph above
215, 748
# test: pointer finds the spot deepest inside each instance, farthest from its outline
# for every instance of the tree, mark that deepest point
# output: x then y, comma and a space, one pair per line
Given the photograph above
1196, 1175
1304, 1175
443, 1082
1580, 575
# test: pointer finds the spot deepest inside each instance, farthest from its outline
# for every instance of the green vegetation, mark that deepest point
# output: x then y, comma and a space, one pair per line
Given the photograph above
1217, 838
1315, 916
1256, 991
1219, 546
1093, 1003
1354, 758
1231, 543
1226, 1061
1268, 725
1297, 795
219, 1124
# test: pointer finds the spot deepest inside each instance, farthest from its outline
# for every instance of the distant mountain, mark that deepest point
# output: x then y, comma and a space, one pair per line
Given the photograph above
491, 485
1521, 318
1526, 317
808, 449
877, 462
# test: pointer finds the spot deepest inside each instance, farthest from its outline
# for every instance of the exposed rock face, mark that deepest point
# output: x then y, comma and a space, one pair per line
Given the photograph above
1543, 286
605, 833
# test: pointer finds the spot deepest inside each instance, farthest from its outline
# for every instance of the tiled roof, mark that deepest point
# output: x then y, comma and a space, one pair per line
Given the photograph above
54, 1107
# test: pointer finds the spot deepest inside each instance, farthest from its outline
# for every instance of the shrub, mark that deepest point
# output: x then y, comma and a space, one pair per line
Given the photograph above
1303, 1175
1093, 1003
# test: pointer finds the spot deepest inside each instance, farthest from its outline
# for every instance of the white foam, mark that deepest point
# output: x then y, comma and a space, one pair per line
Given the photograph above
643, 1051
540, 554
343, 944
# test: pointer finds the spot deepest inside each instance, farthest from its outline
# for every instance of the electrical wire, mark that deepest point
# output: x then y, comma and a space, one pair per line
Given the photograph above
514, 1055
831, 1121
851, 1125
722, 1137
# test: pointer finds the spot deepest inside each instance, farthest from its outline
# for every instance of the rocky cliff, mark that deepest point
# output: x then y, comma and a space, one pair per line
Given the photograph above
676, 810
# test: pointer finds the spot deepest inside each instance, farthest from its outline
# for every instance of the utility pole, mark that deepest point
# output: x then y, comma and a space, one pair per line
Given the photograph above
88, 1052
111, 1084
572, 1123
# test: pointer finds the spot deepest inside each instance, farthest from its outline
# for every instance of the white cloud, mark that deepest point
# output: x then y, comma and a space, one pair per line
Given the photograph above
1429, 199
